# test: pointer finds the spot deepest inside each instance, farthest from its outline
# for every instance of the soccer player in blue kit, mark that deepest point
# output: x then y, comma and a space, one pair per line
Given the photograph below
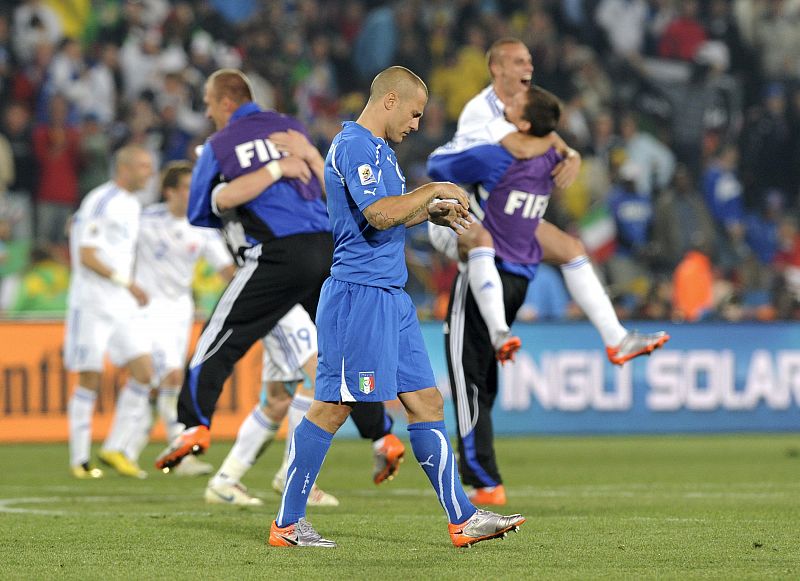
370, 343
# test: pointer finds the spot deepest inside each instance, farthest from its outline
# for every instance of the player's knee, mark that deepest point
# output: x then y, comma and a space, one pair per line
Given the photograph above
141, 369
476, 237
568, 249
173, 378
425, 405
574, 248
328, 415
89, 380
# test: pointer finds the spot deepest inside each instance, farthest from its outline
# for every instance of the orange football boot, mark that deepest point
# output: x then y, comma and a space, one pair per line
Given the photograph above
195, 440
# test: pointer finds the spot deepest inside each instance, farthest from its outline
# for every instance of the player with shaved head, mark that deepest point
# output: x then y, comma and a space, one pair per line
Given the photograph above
277, 225
370, 342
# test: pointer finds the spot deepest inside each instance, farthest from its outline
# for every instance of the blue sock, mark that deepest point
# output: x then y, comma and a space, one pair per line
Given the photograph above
309, 445
433, 452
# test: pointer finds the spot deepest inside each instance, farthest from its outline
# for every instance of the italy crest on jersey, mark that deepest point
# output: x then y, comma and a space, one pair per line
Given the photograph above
366, 381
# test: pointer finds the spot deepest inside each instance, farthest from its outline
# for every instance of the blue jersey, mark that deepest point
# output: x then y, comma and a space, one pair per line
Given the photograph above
361, 169
285, 208
519, 192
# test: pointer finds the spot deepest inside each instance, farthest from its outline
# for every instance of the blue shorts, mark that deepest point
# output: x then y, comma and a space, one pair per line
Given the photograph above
370, 344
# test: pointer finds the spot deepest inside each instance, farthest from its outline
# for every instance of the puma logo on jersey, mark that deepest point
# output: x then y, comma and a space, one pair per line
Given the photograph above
533, 205
263, 149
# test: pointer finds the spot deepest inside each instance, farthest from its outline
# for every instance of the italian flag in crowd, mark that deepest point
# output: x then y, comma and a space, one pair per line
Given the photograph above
598, 232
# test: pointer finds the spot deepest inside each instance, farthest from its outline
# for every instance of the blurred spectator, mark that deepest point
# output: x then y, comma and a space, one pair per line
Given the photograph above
57, 150
17, 130
681, 221
633, 215
66, 72
787, 263
624, 24
654, 160
767, 147
375, 45
6, 59
722, 191
316, 93
7, 167
99, 86
463, 75
693, 287
684, 35
777, 39
95, 154
35, 23
761, 227
43, 287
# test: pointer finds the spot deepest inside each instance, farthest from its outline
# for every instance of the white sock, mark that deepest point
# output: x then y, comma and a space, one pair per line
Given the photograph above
256, 431
133, 404
167, 404
585, 288
80, 410
138, 440
297, 411
487, 289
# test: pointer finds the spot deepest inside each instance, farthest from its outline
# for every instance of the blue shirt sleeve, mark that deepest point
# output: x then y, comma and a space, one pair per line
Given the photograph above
358, 162
204, 177
484, 164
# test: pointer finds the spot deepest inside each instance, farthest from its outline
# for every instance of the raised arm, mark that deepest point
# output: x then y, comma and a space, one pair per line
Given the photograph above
524, 146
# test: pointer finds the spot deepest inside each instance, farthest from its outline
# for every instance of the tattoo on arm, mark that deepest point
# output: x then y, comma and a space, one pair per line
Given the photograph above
382, 220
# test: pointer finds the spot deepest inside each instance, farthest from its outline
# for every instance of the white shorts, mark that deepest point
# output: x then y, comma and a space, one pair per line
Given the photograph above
288, 346
93, 333
444, 240
167, 323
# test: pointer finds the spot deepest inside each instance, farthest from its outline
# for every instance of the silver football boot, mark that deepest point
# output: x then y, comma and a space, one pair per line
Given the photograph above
482, 526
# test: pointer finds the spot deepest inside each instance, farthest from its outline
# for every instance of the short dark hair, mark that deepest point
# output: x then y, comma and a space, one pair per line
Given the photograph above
543, 111
172, 173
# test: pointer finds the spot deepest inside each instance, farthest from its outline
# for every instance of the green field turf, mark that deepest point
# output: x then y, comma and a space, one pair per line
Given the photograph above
721, 507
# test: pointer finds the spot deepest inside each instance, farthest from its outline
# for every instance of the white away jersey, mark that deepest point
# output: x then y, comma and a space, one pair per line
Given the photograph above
481, 122
168, 250
108, 220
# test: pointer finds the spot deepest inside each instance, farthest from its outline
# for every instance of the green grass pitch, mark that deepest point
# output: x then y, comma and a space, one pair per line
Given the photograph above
677, 507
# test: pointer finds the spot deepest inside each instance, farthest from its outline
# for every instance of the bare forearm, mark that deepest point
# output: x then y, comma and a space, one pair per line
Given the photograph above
396, 210
243, 189
524, 146
410, 209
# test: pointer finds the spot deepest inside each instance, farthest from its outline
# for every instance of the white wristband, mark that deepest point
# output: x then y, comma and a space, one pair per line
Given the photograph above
121, 279
274, 169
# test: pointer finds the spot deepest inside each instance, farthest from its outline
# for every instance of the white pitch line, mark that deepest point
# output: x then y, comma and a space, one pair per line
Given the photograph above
7, 505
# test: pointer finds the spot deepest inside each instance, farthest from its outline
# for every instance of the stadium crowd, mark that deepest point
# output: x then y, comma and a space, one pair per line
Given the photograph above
686, 113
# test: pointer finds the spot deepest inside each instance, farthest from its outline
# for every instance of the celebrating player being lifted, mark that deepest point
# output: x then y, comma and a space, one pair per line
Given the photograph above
482, 122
